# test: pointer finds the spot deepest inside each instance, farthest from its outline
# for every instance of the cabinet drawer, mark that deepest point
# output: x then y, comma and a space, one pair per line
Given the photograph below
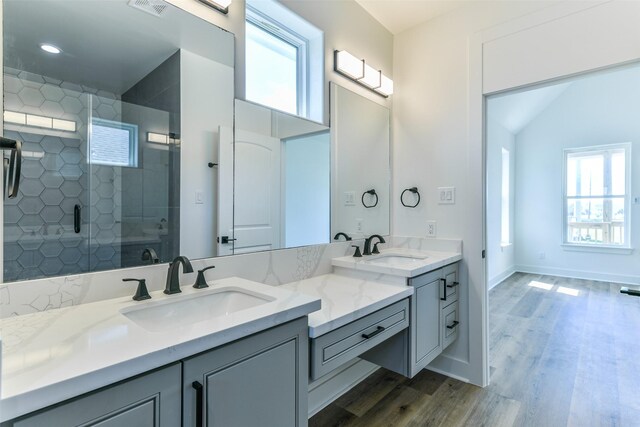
450, 324
337, 347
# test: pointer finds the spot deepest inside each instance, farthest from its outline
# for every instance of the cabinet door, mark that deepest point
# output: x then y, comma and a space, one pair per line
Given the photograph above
427, 322
151, 400
257, 381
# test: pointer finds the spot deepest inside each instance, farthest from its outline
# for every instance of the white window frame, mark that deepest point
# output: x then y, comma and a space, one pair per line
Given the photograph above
131, 128
282, 32
626, 248
505, 211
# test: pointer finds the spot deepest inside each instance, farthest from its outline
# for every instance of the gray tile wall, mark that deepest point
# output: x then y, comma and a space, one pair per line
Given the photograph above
39, 240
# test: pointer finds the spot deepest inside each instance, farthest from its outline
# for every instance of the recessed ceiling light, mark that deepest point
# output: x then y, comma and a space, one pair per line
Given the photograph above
49, 48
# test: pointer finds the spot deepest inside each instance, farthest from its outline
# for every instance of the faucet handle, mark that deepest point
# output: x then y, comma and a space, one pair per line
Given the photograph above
375, 249
141, 292
357, 253
201, 282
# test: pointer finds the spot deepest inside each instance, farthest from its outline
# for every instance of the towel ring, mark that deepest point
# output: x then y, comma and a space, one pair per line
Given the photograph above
373, 193
413, 190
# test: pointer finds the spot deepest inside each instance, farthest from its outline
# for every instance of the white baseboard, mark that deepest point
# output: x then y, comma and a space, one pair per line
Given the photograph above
579, 274
499, 278
325, 390
451, 367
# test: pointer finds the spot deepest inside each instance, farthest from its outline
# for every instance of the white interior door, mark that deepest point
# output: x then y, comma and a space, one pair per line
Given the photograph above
225, 190
257, 194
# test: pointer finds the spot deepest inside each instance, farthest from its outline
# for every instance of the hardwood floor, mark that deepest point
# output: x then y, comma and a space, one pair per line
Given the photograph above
564, 352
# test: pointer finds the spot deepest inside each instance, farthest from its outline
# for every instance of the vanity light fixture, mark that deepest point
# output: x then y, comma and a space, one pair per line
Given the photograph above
359, 71
34, 120
49, 48
158, 138
219, 5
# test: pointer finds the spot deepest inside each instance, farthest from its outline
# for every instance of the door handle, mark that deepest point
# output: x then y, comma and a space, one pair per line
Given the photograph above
225, 239
76, 219
199, 390
444, 290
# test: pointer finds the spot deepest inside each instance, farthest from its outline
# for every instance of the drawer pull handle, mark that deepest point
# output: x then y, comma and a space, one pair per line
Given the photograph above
198, 388
453, 325
453, 285
374, 333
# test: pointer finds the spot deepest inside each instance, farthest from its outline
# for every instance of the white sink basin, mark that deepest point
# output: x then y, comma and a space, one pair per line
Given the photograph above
396, 260
179, 311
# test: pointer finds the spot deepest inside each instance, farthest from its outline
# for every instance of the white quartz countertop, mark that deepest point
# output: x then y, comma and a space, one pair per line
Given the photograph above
55, 355
399, 261
345, 299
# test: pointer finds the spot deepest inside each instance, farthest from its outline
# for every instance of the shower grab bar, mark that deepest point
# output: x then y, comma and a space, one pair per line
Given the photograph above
12, 166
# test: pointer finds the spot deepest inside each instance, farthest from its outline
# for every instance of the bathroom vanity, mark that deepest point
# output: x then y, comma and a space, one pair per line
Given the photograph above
113, 368
433, 306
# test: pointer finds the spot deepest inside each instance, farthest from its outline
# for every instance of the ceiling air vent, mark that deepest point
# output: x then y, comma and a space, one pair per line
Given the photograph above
152, 7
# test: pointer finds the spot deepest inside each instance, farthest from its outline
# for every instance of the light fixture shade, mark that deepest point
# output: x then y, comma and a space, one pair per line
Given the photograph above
372, 77
386, 86
159, 138
220, 5
349, 65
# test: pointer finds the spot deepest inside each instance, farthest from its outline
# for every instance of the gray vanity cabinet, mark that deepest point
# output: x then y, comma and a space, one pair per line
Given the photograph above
433, 327
149, 400
257, 381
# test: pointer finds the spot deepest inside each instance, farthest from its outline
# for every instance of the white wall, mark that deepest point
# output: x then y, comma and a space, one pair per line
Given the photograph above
500, 258
595, 110
433, 147
206, 98
307, 194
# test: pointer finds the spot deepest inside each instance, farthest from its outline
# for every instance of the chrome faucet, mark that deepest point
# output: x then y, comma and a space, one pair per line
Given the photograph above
173, 280
367, 244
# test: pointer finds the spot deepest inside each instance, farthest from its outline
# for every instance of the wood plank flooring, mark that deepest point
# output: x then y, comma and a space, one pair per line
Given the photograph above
564, 352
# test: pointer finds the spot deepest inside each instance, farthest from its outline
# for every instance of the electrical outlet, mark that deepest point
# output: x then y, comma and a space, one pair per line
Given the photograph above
359, 222
349, 198
199, 197
446, 195
431, 229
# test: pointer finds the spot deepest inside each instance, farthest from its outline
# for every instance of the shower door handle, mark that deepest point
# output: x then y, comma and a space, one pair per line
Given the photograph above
76, 218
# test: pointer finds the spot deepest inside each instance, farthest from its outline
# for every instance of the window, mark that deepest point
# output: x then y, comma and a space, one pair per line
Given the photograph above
277, 84
284, 60
113, 143
505, 232
596, 196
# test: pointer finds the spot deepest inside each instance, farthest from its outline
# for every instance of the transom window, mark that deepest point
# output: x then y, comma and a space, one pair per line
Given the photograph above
276, 64
597, 196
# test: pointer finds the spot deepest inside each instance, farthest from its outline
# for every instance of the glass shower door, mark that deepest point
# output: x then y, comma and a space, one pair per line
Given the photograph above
132, 159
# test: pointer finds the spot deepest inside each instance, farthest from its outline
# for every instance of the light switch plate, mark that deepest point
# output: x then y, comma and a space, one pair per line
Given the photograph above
446, 195
199, 197
431, 229
349, 198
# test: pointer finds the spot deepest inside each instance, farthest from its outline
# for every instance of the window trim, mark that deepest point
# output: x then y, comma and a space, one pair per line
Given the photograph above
505, 153
286, 34
626, 248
